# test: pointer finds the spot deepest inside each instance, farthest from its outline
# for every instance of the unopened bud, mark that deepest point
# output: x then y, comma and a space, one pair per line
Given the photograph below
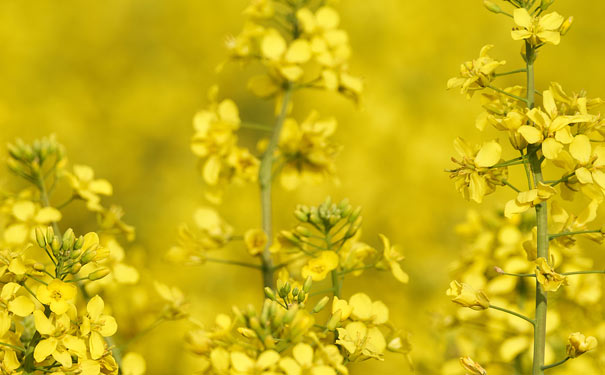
76, 267
290, 314
303, 231
68, 239
301, 216
55, 245
269, 342
50, 234
566, 26
307, 284
79, 242
355, 215
295, 292
321, 304
99, 274
334, 320
492, 7
255, 324
546, 3
301, 296
40, 238
39, 267
270, 293
88, 256
247, 332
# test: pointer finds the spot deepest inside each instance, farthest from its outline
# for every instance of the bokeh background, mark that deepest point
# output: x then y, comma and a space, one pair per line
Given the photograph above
118, 82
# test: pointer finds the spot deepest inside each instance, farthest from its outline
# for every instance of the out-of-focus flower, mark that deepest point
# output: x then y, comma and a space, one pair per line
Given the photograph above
466, 296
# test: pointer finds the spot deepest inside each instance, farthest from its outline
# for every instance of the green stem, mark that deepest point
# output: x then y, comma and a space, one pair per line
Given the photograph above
336, 283
542, 226
583, 272
505, 182
562, 234
265, 175
233, 263
513, 313
555, 364
508, 93
255, 126
562, 179
22, 350
523, 70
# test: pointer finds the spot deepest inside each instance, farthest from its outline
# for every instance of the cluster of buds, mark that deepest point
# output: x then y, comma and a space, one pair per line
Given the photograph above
70, 253
291, 295
326, 217
274, 326
26, 160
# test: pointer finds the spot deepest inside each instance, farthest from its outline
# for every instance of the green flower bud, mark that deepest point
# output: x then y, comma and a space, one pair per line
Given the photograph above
68, 239
88, 256
334, 320
301, 216
79, 243
321, 304
307, 284
303, 231
76, 268
99, 274
295, 292
270, 293
40, 238
50, 234
55, 245
492, 7
354, 215
546, 3
301, 296
566, 26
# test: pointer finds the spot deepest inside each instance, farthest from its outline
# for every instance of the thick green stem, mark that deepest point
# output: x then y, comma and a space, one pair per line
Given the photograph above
265, 177
542, 226
336, 283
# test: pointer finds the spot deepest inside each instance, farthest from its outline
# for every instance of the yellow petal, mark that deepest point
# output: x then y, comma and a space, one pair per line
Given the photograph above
584, 175
17, 266
551, 148
24, 210
241, 362
97, 345
125, 274
522, 18
90, 367
133, 364
551, 21
21, 306
211, 170
44, 349
327, 18
380, 311
549, 103
273, 45
512, 207
109, 326
511, 347
299, 52
84, 173
47, 215
101, 186
42, 323
531, 134
95, 307
520, 34
580, 148
303, 353
477, 187
488, 155
362, 306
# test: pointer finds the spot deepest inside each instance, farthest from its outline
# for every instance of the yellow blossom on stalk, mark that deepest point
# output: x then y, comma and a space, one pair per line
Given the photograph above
177, 304
342, 306
579, 344
306, 150
56, 341
392, 257
303, 361
57, 295
320, 266
537, 29
255, 240
477, 74
86, 187
575, 103
477, 176
27, 215
361, 342
551, 129
527, 199
546, 275
466, 296
98, 326
562, 221
472, 366
244, 365
19, 305
505, 113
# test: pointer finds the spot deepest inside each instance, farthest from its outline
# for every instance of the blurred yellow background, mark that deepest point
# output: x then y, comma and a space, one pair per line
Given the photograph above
118, 82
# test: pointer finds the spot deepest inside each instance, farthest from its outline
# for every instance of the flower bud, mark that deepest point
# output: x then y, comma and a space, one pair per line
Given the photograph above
546, 3
579, 344
290, 314
355, 215
301, 296
566, 26
472, 366
68, 239
270, 293
307, 284
269, 342
295, 292
99, 274
88, 256
321, 304
301, 216
55, 245
39, 267
40, 238
303, 231
492, 7
76, 268
50, 234
79, 242
247, 332
465, 295
334, 320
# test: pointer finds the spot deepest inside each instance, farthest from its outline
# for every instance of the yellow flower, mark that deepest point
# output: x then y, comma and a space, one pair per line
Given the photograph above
177, 304
551, 129
244, 365
472, 366
133, 364
57, 294
476, 176
465, 295
392, 258
342, 306
307, 151
362, 308
319, 267
19, 305
550, 280
361, 342
302, 361
56, 341
527, 199
477, 74
255, 240
98, 326
27, 216
536, 30
579, 344
504, 113
87, 187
